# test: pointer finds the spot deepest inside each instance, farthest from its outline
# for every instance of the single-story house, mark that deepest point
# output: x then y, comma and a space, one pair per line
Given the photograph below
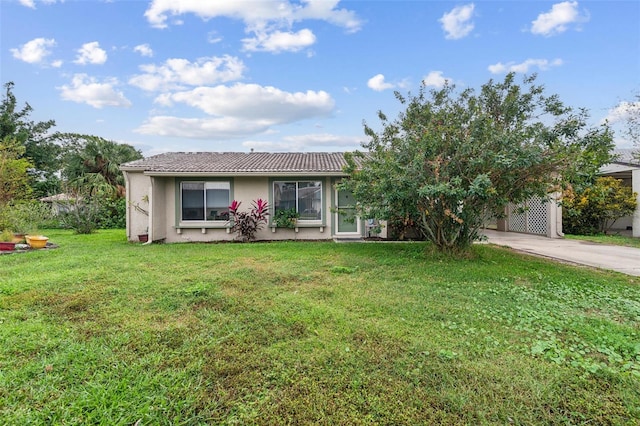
627, 169
181, 197
60, 203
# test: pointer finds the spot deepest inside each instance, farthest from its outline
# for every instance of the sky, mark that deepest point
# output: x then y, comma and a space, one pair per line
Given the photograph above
304, 75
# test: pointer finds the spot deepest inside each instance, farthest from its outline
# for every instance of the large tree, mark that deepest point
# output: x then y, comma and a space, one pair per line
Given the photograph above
96, 160
39, 148
451, 159
14, 181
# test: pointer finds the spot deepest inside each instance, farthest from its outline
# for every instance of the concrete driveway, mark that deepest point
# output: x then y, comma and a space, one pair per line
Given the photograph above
604, 256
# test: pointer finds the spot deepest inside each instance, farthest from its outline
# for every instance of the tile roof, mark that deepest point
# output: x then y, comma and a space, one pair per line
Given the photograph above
626, 156
240, 162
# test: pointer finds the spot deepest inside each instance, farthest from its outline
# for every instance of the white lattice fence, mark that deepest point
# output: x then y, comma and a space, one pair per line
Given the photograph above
517, 219
530, 218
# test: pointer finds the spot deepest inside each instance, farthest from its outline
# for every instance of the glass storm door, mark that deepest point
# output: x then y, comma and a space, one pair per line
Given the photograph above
348, 222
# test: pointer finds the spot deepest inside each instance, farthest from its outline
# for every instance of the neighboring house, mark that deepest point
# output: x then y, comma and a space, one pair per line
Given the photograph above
181, 196
626, 168
60, 203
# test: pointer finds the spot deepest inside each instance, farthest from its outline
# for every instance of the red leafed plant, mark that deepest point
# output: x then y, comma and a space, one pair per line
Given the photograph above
246, 224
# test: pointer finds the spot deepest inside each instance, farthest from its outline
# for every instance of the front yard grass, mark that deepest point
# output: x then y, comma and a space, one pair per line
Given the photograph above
101, 331
617, 240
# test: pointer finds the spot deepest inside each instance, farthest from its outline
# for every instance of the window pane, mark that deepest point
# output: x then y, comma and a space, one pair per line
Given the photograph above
218, 185
217, 200
346, 212
345, 199
310, 200
347, 220
192, 200
284, 195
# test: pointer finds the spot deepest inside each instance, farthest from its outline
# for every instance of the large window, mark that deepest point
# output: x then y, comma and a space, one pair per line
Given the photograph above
205, 200
304, 196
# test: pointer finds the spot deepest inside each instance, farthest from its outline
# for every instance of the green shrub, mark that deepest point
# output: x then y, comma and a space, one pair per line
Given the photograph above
594, 209
286, 218
82, 214
25, 216
112, 214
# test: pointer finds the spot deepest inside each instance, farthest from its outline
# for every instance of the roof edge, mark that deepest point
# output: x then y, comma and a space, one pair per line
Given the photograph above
239, 174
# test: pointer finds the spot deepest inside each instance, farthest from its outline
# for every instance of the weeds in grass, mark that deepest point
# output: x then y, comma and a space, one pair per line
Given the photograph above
311, 333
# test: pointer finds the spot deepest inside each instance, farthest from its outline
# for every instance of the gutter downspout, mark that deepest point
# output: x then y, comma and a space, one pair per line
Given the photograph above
557, 198
555, 216
127, 189
150, 218
559, 231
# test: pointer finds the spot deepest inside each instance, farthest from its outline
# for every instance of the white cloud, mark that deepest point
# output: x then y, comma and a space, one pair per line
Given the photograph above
310, 142
32, 4
85, 89
524, 67
279, 41
326, 10
435, 79
378, 84
268, 22
34, 51
623, 111
558, 19
236, 111
457, 23
213, 37
255, 14
255, 102
201, 128
91, 53
176, 73
144, 50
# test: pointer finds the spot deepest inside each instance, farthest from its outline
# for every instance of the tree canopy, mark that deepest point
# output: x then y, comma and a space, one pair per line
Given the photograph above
36, 140
14, 182
452, 159
34, 162
96, 160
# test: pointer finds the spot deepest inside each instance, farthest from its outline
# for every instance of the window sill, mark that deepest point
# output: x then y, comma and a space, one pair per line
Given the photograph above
204, 226
299, 225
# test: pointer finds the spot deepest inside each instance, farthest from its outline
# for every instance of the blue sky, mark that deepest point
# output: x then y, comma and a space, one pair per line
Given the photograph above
223, 75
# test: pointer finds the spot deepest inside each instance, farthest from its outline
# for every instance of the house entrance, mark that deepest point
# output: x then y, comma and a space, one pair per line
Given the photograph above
346, 219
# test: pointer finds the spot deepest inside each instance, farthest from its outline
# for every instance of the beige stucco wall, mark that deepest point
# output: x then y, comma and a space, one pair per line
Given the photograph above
161, 193
138, 188
158, 201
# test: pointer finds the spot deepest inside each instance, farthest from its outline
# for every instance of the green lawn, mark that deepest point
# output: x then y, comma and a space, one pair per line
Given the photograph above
101, 331
618, 240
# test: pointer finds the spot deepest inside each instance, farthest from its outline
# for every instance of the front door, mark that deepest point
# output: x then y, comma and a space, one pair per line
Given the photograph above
346, 219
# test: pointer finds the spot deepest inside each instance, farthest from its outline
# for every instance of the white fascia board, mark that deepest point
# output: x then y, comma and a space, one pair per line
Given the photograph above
242, 174
616, 168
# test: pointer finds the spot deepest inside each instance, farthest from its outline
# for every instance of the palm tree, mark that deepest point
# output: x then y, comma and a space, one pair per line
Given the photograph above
95, 160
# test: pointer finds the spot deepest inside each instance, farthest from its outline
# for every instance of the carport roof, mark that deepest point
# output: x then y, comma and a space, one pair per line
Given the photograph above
241, 163
622, 167
626, 156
